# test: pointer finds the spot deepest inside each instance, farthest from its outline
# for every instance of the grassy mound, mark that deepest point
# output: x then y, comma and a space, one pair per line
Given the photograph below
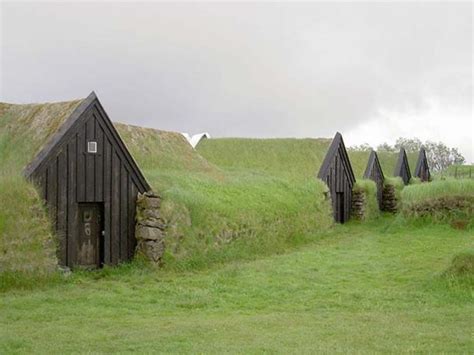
369, 189
290, 158
26, 242
462, 265
388, 161
450, 201
225, 206
156, 149
359, 160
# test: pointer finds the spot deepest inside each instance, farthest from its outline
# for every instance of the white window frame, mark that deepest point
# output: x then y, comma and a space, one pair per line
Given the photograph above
92, 147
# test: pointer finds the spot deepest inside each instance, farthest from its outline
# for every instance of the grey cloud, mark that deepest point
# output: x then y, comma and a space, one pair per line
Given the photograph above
286, 69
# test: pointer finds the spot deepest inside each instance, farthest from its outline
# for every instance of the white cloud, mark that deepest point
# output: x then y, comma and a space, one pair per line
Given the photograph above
452, 125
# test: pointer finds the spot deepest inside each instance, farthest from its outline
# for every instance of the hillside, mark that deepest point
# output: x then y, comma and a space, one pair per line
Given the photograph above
164, 150
26, 242
218, 212
359, 160
388, 161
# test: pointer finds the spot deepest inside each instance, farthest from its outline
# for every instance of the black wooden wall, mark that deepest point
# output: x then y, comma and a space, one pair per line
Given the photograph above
402, 169
337, 172
374, 172
422, 169
67, 175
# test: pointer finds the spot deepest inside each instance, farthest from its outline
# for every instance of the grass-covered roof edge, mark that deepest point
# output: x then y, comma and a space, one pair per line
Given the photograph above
71, 122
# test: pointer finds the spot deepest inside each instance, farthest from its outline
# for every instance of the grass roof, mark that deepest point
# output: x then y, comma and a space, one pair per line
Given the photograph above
157, 149
290, 157
25, 129
388, 161
26, 240
359, 160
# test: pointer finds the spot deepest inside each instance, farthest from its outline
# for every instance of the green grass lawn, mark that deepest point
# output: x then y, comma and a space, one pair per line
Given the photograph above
374, 287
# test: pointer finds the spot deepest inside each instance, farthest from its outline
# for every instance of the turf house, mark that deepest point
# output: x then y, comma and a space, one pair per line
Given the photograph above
336, 171
402, 169
87, 177
374, 172
422, 169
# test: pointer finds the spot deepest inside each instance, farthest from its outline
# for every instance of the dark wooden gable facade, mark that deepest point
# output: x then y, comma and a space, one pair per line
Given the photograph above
422, 169
90, 183
374, 172
402, 169
336, 171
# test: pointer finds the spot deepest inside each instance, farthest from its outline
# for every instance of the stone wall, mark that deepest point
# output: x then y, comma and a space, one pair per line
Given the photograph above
358, 204
150, 227
389, 199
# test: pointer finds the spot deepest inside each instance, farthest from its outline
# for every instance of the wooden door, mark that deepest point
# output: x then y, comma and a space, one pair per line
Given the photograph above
340, 207
90, 233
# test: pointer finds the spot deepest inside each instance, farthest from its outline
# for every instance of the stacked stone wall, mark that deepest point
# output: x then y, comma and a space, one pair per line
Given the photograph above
150, 227
358, 204
389, 199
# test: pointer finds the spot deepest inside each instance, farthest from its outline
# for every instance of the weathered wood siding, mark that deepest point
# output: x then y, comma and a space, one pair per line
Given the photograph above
337, 172
69, 175
374, 172
422, 169
402, 168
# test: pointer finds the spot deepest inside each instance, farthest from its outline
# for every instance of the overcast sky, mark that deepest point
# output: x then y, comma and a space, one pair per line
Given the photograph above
373, 71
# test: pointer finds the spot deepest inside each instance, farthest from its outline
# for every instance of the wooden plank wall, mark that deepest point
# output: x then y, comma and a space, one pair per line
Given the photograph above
71, 176
377, 177
338, 182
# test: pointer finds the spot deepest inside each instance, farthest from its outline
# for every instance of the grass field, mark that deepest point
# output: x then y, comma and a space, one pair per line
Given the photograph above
456, 171
359, 288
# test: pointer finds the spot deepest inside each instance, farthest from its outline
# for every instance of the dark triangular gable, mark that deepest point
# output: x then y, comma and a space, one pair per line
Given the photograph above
374, 172
67, 130
337, 146
373, 165
336, 171
422, 169
402, 169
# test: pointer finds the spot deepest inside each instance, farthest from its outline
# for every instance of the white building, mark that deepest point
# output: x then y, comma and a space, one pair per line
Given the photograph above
194, 140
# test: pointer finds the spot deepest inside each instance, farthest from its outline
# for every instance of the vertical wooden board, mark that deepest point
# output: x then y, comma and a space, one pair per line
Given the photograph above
90, 160
123, 213
115, 208
81, 164
53, 190
99, 162
107, 188
62, 205
72, 218
348, 195
132, 199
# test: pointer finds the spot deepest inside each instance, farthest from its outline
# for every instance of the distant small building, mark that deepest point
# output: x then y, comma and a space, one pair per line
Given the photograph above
374, 172
402, 168
336, 171
194, 140
422, 169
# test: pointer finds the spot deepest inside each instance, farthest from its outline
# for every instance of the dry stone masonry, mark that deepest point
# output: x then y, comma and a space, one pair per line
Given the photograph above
389, 199
150, 227
358, 204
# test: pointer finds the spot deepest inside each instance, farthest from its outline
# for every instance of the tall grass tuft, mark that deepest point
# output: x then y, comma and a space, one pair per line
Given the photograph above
369, 188
449, 201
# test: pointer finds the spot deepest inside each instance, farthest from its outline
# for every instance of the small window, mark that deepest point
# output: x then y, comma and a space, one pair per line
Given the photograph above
91, 147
